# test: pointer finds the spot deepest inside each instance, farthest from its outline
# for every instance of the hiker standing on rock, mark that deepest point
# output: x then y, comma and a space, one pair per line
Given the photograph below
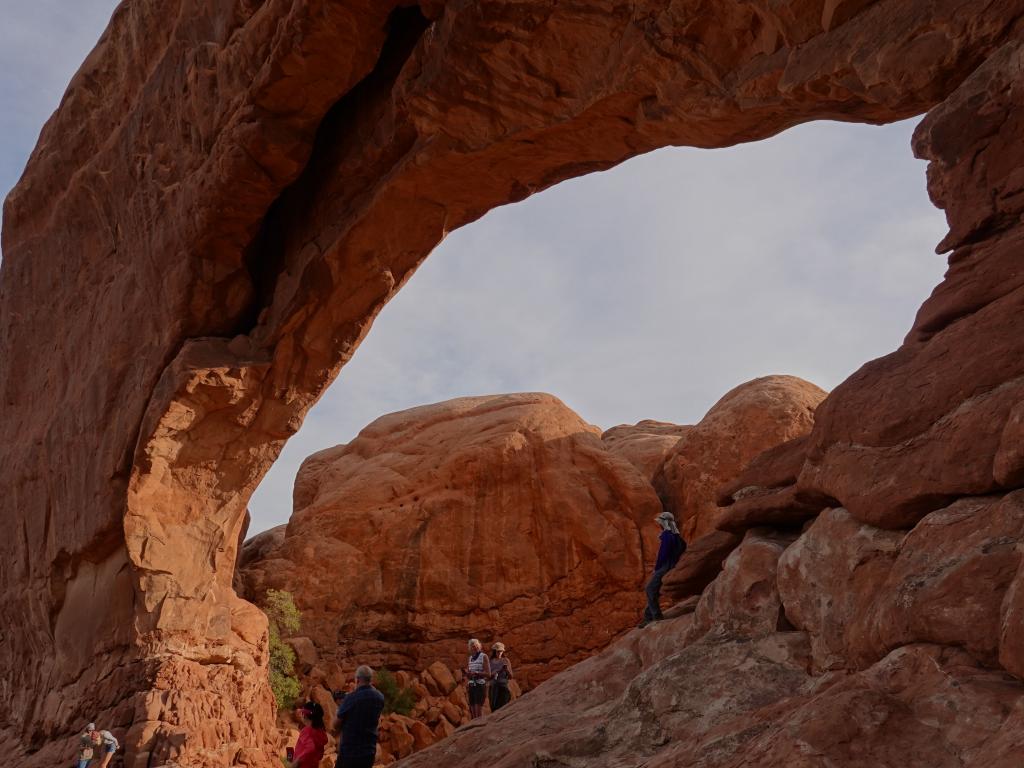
670, 550
358, 721
501, 673
478, 672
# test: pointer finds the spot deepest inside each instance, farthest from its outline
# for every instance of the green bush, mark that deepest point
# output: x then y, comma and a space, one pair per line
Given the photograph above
396, 699
284, 616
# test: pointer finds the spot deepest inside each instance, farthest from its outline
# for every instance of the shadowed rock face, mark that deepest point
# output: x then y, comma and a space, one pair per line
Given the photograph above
503, 518
231, 191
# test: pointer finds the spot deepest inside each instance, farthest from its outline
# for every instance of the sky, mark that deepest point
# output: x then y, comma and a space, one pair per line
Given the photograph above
643, 292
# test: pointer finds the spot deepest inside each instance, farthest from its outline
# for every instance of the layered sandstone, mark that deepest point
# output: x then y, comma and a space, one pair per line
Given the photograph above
750, 419
236, 190
499, 517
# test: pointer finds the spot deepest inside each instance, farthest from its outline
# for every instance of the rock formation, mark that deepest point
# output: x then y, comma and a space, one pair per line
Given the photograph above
500, 517
494, 517
747, 421
645, 444
882, 632
230, 192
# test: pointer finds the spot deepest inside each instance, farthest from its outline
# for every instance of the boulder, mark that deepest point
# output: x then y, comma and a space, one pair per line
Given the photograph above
829, 579
748, 420
744, 599
439, 679
949, 582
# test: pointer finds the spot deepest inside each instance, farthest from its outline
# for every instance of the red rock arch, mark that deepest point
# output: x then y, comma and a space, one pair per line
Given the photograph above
230, 192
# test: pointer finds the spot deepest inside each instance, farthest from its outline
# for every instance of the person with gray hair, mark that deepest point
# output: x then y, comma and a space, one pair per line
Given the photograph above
670, 550
478, 672
357, 722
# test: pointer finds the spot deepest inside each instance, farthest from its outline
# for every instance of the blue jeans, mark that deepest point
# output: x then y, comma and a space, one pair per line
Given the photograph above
653, 609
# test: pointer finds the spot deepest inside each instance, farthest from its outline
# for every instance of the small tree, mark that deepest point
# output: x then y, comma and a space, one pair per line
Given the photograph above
396, 698
283, 616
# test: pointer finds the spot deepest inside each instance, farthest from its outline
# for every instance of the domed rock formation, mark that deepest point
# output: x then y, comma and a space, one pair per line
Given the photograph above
747, 421
498, 517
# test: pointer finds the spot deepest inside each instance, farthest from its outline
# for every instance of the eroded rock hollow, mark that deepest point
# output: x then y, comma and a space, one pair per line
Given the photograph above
230, 192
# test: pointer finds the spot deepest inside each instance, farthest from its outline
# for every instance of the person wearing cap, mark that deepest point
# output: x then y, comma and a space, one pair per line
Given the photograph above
478, 672
671, 548
88, 741
309, 747
501, 673
357, 722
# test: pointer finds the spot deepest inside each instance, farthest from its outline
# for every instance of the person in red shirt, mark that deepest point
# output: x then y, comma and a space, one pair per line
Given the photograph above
309, 747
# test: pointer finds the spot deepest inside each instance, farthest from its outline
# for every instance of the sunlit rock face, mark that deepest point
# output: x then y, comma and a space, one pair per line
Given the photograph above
503, 518
230, 192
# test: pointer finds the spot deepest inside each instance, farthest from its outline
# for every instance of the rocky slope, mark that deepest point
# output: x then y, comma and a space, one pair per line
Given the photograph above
501, 517
846, 645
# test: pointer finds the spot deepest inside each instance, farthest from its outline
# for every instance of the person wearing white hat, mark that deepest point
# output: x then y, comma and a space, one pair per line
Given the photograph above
671, 548
501, 673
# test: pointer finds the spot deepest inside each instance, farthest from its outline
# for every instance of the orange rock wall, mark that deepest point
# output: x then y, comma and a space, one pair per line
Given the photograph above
230, 192
498, 517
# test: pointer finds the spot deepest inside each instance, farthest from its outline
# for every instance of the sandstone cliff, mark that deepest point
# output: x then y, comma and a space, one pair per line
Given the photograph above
495, 517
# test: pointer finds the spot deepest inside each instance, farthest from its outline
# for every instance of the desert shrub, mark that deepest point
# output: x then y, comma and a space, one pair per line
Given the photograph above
396, 698
279, 606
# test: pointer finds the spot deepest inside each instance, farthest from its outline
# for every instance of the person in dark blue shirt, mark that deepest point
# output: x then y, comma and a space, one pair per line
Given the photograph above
670, 550
357, 721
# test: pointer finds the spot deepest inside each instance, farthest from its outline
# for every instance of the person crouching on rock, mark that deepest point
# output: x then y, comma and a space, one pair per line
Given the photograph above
670, 550
478, 672
501, 673
88, 742
108, 746
309, 747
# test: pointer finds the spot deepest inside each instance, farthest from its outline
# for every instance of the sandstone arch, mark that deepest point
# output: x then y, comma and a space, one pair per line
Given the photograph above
231, 191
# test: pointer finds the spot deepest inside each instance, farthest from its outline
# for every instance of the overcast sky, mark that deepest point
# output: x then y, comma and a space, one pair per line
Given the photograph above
643, 292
